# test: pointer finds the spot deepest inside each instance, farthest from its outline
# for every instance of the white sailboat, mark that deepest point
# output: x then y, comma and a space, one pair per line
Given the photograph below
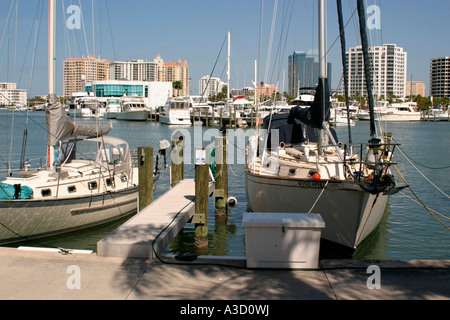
87, 182
297, 165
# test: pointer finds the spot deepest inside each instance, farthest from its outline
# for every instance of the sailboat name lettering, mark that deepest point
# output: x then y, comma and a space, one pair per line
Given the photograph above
312, 184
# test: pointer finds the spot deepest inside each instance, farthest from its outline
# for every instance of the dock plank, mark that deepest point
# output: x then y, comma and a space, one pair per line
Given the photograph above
161, 220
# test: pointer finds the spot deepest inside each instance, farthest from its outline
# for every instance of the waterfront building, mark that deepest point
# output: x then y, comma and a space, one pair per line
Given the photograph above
210, 86
389, 70
264, 89
303, 71
417, 88
155, 94
11, 96
137, 70
78, 71
174, 71
440, 77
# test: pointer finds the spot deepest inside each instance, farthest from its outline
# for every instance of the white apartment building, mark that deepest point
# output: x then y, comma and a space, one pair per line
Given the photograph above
210, 86
11, 96
389, 70
138, 70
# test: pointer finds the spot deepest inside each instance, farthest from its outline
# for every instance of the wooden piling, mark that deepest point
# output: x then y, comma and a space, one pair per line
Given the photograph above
200, 218
177, 169
221, 190
145, 156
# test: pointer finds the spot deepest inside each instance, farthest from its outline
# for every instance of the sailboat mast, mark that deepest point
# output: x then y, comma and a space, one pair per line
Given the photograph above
51, 69
229, 64
323, 74
322, 41
367, 64
51, 46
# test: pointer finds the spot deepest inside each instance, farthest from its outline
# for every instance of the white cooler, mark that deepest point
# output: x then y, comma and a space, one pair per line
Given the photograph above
282, 240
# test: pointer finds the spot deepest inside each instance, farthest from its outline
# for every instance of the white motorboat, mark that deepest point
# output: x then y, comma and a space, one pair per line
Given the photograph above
379, 111
339, 119
113, 107
438, 113
133, 109
87, 182
176, 111
297, 165
88, 107
407, 111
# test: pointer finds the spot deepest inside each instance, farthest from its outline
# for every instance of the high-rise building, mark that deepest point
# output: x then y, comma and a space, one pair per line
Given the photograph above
78, 71
11, 96
389, 71
440, 77
416, 87
303, 71
174, 71
138, 70
210, 86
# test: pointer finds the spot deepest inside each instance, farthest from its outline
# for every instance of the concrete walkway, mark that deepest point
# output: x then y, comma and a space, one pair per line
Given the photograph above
49, 275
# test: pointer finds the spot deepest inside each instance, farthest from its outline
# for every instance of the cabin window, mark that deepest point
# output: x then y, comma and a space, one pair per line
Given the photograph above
71, 189
109, 182
46, 192
92, 185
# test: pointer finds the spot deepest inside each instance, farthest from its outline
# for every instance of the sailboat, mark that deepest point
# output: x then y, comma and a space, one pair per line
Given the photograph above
89, 179
295, 164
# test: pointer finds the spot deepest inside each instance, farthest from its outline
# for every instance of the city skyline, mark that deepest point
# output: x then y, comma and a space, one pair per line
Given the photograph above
197, 30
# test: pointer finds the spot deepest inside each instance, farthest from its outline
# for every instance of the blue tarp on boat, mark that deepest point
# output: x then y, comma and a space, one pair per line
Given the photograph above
15, 192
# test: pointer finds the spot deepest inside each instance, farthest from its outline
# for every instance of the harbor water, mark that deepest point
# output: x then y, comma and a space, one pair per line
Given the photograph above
408, 231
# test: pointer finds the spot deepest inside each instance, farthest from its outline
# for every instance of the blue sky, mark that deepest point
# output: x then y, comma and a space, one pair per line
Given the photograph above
195, 30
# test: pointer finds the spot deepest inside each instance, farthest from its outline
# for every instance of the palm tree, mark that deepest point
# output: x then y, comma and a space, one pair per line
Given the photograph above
177, 85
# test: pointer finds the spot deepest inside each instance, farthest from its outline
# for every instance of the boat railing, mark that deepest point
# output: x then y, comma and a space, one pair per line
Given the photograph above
374, 158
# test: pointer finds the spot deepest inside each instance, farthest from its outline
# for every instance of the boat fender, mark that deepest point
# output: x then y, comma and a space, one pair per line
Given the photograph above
232, 202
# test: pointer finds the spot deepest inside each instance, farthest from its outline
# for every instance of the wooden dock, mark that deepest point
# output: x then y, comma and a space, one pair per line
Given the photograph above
161, 220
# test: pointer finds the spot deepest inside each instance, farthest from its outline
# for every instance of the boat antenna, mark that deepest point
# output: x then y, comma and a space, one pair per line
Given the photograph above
344, 65
367, 64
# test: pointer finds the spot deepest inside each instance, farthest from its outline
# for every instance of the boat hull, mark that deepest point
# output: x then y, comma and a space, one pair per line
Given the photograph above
22, 220
173, 120
350, 214
141, 115
111, 115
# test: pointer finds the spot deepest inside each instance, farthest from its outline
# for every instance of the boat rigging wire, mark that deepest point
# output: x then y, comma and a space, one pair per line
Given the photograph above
420, 201
434, 185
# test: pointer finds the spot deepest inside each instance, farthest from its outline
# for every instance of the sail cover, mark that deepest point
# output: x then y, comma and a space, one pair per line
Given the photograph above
315, 115
60, 127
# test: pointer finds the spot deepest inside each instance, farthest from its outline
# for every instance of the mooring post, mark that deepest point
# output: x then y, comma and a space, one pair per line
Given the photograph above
145, 156
221, 188
200, 218
177, 169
